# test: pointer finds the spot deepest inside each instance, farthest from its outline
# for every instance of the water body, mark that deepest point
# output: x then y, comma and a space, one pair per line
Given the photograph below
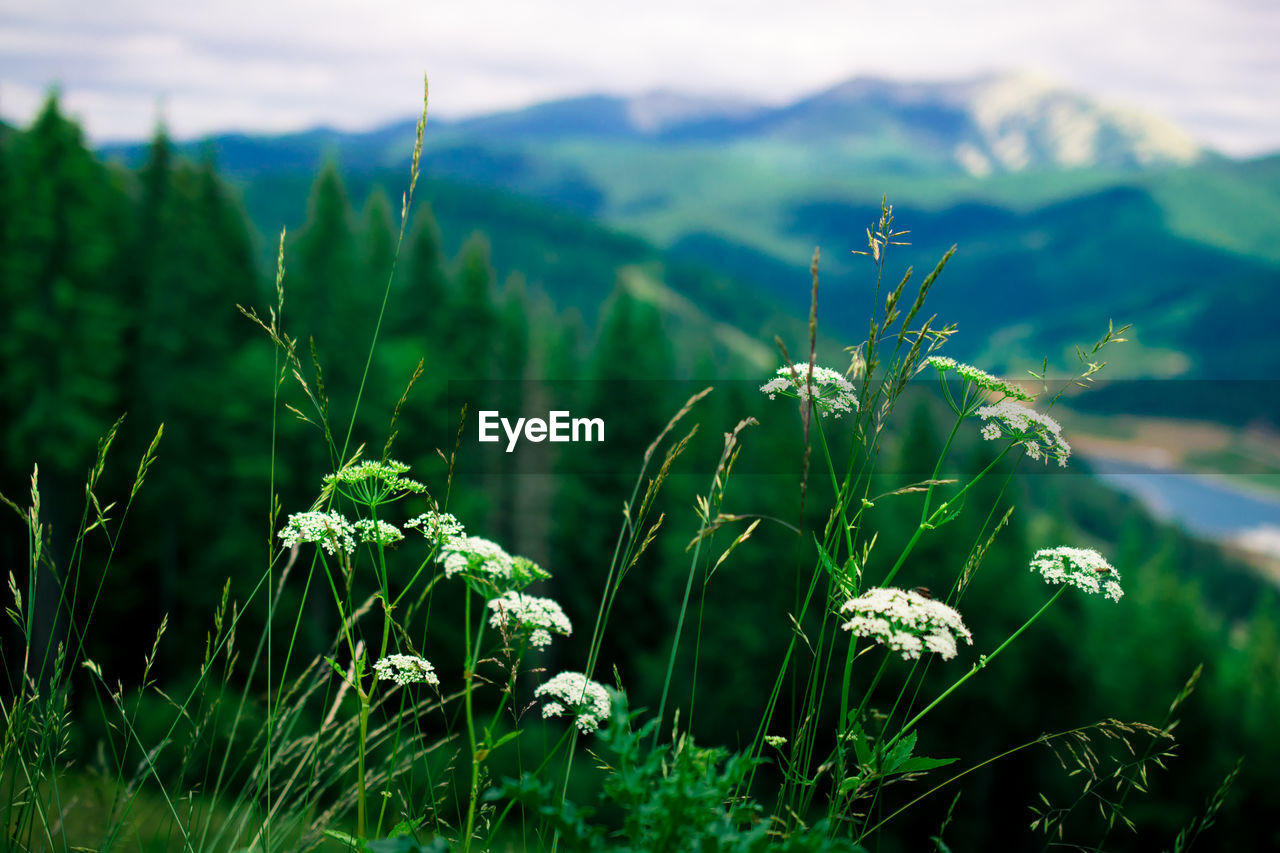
1209, 506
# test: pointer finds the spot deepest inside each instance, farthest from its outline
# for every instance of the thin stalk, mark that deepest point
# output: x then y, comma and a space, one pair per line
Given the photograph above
982, 663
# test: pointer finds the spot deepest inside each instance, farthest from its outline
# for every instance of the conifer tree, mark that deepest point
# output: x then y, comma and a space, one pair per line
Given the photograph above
377, 243
471, 351
322, 296
61, 334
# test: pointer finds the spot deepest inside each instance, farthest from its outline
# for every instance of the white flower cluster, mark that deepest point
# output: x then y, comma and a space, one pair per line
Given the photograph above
906, 622
1039, 434
376, 479
1082, 567
573, 694
978, 377
329, 529
473, 555
437, 526
383, 533
406, 669
832, 393
484, 562
538, 617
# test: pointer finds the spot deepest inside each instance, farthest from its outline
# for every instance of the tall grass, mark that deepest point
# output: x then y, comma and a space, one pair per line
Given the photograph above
362, 745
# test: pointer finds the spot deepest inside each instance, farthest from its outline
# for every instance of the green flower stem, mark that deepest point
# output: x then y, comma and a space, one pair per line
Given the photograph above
844, 722
468, 674
911, 724
841, 502
930, 522
360, 791
571, 730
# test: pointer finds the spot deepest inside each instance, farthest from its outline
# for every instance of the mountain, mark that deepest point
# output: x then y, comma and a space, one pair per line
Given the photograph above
999, 122
1008, 122
1067, 211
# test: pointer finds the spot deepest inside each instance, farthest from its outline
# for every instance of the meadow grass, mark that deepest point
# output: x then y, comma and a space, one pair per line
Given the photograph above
362, 745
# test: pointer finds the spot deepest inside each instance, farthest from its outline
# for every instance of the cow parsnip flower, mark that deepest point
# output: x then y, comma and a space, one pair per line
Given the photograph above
1080, 567
439, 527
978, 377
832, 393
383, 533
906, 621
406, 669
1038, 433
330, 530
572, 694
528, 616
370, 482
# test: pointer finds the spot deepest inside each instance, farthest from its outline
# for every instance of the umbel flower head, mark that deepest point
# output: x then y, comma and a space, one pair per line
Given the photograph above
439, 527
832, 393
383, 532
978, 377
1039, 434
329, 530
572, 694
1082, 567
370, 482
526, 615
406, 669
486, 565
906, 622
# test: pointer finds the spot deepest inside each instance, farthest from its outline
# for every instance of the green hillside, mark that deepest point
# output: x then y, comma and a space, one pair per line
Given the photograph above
1186, 244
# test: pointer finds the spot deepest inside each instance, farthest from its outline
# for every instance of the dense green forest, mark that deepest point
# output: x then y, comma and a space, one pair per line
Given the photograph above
120, 288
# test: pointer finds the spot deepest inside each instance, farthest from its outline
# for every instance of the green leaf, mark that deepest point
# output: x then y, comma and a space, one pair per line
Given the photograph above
347, 839
509, 736
920, 763
404, 844
899, 754
404, 827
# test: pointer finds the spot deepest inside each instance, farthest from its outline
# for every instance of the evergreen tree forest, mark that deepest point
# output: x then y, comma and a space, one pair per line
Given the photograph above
119, 295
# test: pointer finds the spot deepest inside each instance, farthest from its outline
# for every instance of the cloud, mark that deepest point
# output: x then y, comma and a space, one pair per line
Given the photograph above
1210, 65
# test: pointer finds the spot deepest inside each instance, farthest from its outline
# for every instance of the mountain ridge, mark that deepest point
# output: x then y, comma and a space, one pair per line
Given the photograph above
996, 122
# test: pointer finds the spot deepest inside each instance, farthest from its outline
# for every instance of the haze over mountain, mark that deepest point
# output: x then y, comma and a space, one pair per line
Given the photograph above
998, 122
1005, 122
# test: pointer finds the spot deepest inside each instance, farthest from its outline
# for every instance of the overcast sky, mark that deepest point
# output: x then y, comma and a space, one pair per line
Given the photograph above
1213, 66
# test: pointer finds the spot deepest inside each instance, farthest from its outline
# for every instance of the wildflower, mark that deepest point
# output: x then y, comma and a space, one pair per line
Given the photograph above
978, 377
832, 393
328, 529
906, 622
775, 741
372, 482
1082, 567
384, 533
491, 568
439, 527
573, 694
538, 617
1039, 434
406, 669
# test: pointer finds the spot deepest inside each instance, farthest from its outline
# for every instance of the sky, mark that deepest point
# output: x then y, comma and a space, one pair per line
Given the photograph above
1211, 66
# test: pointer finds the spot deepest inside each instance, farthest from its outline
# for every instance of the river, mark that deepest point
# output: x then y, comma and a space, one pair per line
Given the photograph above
1213, 506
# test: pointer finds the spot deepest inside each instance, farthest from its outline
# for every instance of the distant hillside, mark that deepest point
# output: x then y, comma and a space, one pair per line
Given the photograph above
1066, 211
994, 123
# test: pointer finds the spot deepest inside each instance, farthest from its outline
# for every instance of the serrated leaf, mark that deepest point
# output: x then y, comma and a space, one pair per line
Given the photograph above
900, 752
919, 764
